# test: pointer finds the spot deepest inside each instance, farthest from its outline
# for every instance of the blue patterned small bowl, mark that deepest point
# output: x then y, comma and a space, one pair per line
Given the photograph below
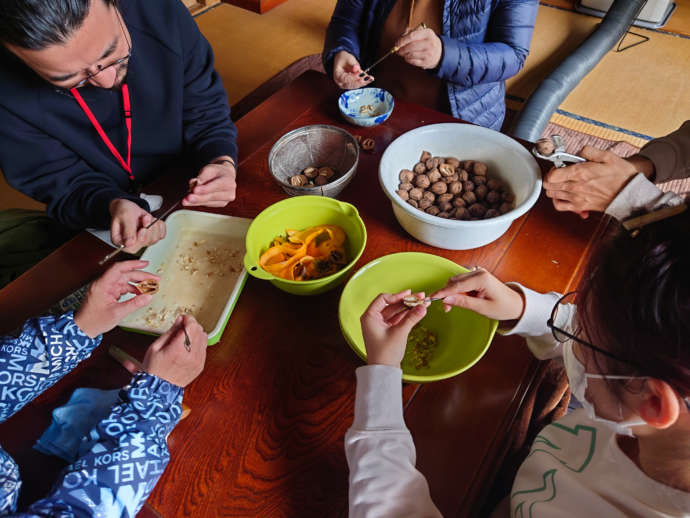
366, 107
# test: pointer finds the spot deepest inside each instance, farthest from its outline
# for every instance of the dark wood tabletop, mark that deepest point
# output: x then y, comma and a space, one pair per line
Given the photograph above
270, 411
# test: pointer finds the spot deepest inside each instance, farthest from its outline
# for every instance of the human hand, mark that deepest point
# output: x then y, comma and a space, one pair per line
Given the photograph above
347, 70
385, 326
481, 292
101, 311
592, 185
169, 359
128, 222
214, 186
421, 48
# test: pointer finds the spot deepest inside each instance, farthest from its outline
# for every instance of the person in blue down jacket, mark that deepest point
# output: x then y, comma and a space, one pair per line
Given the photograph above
458, 64
127, 451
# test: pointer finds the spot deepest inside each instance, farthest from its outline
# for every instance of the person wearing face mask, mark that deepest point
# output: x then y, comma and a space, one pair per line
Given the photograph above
623, 337
99, 96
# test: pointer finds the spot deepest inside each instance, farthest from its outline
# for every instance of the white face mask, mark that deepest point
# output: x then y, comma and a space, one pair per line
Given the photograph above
578, 386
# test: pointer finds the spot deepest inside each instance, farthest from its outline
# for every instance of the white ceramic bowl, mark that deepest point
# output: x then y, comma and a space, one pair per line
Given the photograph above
506, 158
380, 101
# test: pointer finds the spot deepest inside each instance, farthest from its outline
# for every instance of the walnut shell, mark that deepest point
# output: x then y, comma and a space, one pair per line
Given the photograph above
413, 203
455, 187
508, 196
422, 181
434, 175
468, 186
368, 144
446, 170
428, 195
481, 191
320, 180
467, 164
477, 210
445, 206
432, 163
416, 194
326, 172
545, 146
491, 213
425, 203
463, 175
419, 168
468, 196
452, 178
299, 180
444, 215
505, 207
433, 210
311, 172
459, 202
479, 168
439, 188
448, 197
406, 175
493, 197
425, 156
493, 184
404, 195
406, 186
479, 180
453, 162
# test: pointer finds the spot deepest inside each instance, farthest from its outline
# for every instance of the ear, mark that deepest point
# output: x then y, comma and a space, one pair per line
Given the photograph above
659, 405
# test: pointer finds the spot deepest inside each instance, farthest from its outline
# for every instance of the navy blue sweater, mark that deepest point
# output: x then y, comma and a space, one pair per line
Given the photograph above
50, 151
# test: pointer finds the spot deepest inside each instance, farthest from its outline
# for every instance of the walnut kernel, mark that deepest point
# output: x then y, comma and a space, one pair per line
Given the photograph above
299, 180
311, 172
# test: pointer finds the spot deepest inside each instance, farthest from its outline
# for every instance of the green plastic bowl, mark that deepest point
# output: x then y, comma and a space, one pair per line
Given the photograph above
299, 213
463, 336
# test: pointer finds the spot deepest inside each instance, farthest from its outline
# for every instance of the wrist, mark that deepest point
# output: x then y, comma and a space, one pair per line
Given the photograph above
640, 164
223, 160
84, 323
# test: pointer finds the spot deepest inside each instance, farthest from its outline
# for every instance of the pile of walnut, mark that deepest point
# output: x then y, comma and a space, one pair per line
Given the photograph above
454, 189
313, 176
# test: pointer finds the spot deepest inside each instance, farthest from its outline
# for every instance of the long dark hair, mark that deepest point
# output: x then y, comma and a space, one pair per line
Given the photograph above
634, 301
37, 24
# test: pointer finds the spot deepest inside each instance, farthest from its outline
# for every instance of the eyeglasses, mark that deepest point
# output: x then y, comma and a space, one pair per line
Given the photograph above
124, 59
561, 335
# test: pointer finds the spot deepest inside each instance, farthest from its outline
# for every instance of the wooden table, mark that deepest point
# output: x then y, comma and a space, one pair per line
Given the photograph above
269, 412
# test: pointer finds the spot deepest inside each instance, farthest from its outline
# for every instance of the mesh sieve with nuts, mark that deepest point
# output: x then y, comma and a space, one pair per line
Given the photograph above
450, 188
313, 177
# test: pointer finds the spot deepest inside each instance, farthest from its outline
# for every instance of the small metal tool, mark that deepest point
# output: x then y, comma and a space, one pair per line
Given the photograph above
187, 341
111, 255
553, 149
388, 54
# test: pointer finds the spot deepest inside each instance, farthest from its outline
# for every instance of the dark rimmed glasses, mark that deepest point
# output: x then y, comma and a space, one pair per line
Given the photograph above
117, 62
562, 336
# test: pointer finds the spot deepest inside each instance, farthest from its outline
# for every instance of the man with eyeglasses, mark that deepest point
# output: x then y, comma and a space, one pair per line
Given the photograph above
99, 96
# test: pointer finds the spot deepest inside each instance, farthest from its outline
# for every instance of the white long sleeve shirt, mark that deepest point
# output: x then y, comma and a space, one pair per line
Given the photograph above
575, 467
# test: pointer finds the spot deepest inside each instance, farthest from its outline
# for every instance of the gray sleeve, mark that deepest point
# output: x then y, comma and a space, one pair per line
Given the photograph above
670, 154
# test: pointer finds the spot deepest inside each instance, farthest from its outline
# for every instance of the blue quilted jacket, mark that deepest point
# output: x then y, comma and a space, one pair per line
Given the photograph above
484, 43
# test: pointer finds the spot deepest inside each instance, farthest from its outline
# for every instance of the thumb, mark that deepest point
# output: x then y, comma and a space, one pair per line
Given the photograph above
461, 300
594, 154
411, 319
131, 305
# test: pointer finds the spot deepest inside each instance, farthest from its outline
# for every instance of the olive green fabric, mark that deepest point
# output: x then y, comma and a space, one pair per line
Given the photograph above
26, 237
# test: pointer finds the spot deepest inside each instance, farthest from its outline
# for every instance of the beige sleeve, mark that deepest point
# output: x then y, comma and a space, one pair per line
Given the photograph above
670, 154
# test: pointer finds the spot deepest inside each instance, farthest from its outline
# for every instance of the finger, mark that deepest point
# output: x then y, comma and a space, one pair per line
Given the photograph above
129, 234
116, 231
594, 154
392, 310
415, 47
561, 195
463, 283
584, 214
392, 298
140, 275
410, 37
209, 172
130, 306
410, 319
560, 174
196, 199
384, 299
563, 206
223, 182
128, 266
463, 300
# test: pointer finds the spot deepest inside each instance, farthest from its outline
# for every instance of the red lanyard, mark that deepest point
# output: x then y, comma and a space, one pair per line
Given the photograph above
128, 122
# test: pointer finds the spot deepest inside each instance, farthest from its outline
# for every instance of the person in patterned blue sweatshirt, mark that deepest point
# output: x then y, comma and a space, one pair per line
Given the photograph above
127, 451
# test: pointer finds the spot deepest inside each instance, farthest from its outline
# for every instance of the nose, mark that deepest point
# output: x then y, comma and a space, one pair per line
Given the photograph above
105, 78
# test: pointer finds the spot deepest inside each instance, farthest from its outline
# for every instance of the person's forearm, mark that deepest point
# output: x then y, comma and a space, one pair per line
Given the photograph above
46, 350
670, 155
642, 165
125, 455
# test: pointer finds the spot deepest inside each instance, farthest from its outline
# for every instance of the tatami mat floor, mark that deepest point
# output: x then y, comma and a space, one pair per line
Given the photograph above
639, 93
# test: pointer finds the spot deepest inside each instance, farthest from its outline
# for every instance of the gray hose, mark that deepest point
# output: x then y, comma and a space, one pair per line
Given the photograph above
555, 88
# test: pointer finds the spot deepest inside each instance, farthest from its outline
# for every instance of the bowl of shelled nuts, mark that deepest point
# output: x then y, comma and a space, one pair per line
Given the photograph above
458, 186
366, 107
319, 160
